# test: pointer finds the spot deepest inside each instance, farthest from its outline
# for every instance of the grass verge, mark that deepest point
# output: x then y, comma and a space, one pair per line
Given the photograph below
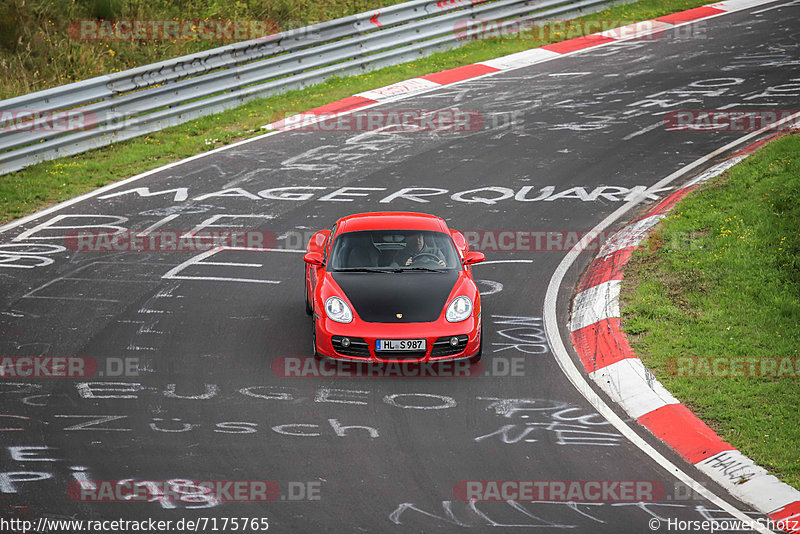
720, 278
40, 185
41, 45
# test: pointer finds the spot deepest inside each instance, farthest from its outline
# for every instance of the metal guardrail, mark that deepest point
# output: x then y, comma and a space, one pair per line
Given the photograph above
127, 104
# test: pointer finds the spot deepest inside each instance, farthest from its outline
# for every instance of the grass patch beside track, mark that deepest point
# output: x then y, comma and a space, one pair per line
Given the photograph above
720, 278
38, 50
47, 183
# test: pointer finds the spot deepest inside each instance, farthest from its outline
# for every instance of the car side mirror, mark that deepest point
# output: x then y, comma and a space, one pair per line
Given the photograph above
474, 257
459, 240
314, 258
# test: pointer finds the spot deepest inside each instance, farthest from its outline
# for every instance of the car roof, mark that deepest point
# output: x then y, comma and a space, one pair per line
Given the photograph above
391, 220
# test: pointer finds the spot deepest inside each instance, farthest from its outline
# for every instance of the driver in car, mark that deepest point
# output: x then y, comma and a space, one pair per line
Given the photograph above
415, 246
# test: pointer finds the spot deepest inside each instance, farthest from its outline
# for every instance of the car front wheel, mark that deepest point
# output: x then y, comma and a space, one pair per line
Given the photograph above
314, 339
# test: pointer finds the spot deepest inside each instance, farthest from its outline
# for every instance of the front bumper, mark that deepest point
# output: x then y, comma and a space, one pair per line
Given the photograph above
363, 335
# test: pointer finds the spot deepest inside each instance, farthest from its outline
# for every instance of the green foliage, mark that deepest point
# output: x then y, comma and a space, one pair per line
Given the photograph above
725, 283
37, 50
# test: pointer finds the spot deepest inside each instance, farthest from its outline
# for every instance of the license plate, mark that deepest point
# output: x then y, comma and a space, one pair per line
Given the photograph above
399, 344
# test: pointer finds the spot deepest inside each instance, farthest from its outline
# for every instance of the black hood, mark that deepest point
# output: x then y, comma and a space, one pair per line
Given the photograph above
379, 297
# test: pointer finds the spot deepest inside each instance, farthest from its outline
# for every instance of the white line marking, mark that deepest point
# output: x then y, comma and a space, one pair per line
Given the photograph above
148, 330
100, 280
158, 224
796, 2
552, 330
643, 130
172, 274
231, 264
254, 249
504, 261
223, 279
30, 293
86, 299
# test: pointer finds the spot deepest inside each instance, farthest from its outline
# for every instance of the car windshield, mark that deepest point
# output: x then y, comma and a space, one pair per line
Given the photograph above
394, 250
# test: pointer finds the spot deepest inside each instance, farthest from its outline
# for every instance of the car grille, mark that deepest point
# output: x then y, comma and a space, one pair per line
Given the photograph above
442, 346
358, 347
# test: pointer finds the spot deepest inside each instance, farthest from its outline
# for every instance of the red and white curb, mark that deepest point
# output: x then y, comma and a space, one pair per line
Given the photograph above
526, 58
611, 363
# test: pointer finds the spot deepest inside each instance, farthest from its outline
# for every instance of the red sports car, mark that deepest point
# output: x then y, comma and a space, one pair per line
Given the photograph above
393, 287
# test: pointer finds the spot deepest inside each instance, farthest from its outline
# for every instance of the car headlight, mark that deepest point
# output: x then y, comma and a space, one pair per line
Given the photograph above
338, 310
459, 310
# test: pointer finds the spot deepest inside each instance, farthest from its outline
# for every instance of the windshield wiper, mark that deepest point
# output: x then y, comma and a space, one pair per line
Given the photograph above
365, 270
426, 269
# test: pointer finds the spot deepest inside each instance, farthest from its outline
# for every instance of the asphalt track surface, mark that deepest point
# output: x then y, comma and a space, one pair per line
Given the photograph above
207, 403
